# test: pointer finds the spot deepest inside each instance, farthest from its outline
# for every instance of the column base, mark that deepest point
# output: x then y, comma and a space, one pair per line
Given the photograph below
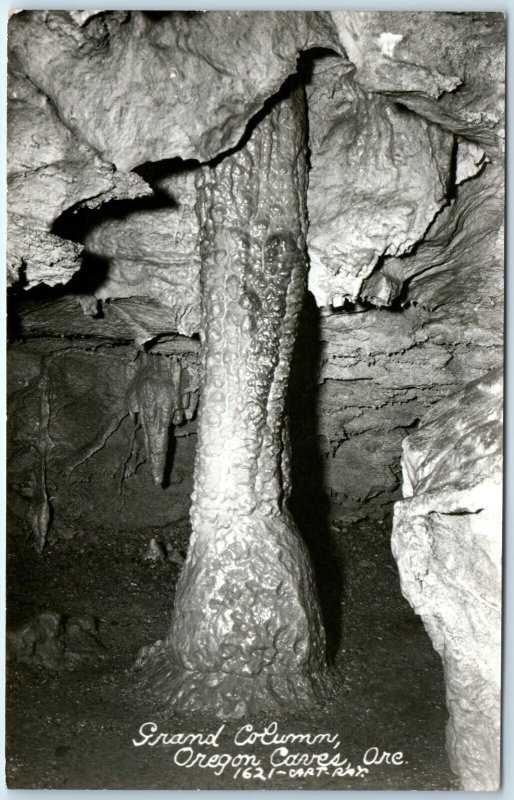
226, 695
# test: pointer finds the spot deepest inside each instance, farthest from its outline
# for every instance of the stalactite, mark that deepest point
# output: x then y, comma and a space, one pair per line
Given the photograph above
165, 396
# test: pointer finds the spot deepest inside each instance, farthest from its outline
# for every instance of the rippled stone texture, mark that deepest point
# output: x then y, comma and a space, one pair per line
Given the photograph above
448, 265
378, 177
246, 633
447, 540
199, 77
148, 251
50, 170
447, 67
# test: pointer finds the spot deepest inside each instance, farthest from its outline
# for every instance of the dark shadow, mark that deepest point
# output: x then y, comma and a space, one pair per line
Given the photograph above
309, 503
92, 273
316, 55
13, 322
78, 221
157, 16
170, 457
155, 171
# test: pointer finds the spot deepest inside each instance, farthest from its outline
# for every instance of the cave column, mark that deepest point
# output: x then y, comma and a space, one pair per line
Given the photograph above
246, 633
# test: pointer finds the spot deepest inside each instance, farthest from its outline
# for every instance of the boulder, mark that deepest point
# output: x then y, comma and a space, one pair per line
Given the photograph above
447, 540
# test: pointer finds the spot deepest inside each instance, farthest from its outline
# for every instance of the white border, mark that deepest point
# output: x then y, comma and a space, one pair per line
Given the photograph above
507, 789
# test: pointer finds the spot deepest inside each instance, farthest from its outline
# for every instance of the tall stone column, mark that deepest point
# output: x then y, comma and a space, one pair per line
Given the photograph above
246, 633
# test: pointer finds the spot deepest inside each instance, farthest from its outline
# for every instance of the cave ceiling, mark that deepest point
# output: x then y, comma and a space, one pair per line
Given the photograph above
111, 115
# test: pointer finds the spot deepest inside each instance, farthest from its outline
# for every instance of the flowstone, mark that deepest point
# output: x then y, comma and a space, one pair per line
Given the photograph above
447, 540
246, 632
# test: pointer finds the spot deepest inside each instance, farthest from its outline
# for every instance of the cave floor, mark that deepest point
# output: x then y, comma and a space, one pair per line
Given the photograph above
73, 728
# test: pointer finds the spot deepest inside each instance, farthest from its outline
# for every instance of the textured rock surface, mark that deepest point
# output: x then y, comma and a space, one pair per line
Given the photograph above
391, 143
49, 170
85, 449
447, 540
391, 51
42, 257
141, 320
195, 95
55, 641
164, 394
372, 374
447, 67
449, 262
378, 371
378, 177
246, 631
141, 262
150, 252
364, 145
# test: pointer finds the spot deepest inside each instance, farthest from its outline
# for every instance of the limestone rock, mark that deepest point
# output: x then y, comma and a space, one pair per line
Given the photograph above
77, 456
43, 257
199, 77
147, 250
391, 51
54, 641
377, 372
447, 540
246, 633
50, 170
140, 319
449, 263
447, 67
164, 395
468, 236
364, 377
378, 177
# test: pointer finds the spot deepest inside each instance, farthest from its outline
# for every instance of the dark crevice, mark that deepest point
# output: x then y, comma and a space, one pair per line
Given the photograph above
78, 221
156, 16
309, 503
170, 457
300, 77
155, 171
459, 513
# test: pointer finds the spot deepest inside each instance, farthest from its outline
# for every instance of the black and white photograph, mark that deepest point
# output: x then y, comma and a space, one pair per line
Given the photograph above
254, 391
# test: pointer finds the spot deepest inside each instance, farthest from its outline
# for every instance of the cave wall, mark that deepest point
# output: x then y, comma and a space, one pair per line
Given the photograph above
380, 370
447, 541
363, 380
85, 451
405, 244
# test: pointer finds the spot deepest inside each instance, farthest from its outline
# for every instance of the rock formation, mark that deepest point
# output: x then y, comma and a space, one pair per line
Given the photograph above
246, 631
55, 641
396, 171
447, 540
181, 214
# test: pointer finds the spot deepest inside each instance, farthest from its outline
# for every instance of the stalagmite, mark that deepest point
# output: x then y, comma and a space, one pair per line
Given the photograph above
246, 632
